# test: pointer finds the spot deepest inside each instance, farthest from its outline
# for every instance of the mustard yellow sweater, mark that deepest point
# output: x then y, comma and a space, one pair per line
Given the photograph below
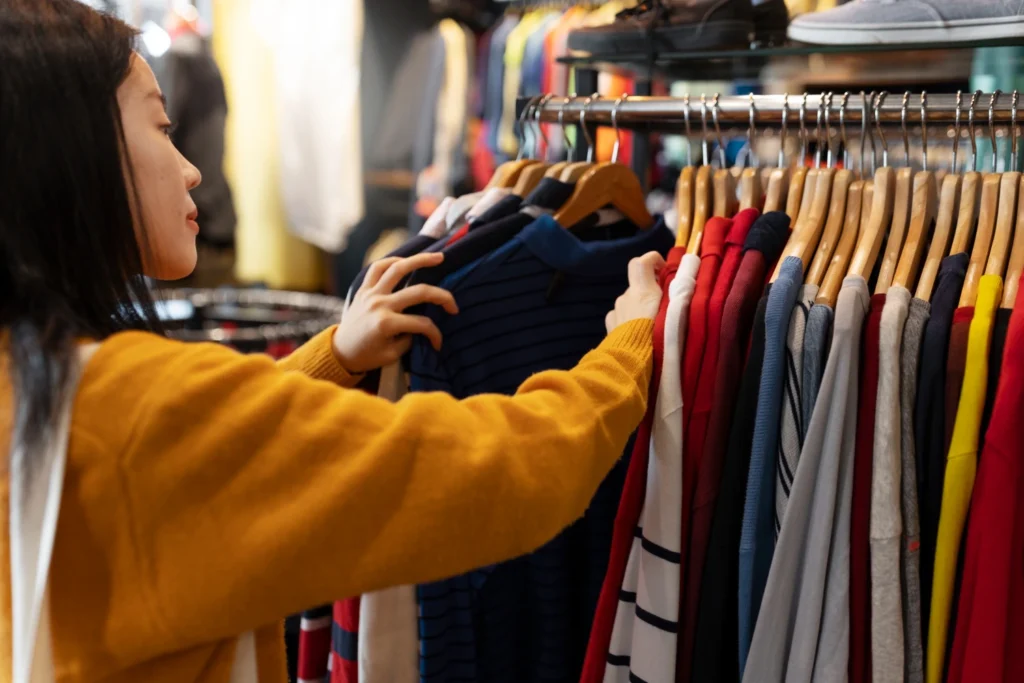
209, 494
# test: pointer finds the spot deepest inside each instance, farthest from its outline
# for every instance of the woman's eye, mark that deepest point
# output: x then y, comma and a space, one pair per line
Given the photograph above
168, 129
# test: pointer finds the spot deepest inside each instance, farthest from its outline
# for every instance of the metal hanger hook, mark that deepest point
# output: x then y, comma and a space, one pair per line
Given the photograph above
686, 122
1013, 129
569, 148
704, 127
970, 128
718, 130
992, 128
904, 106
803, 129
583, 125
866, 135
785, 130
878, 125
615, 126
752, 133
537, 111
842, 129
817, 130
830, 157
924, 130
956, 126
522, 126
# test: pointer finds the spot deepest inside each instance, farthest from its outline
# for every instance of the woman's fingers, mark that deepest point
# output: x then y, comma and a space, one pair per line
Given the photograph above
377, 270
643, 270
401, 324
396, 272
423, 294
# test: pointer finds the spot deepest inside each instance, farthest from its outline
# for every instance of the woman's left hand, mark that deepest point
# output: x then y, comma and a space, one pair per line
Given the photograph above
376, 331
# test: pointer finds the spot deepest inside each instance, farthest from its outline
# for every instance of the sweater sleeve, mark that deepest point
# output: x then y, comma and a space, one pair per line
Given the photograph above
250, 493
316, 359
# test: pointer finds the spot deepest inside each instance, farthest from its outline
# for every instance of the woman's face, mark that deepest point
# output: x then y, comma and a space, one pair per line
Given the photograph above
163, 179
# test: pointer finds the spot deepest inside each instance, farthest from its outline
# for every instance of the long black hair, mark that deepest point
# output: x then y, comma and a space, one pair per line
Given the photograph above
70, 264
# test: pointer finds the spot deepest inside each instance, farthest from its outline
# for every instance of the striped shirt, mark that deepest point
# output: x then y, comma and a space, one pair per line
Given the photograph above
537, 303
792, 426
644, 638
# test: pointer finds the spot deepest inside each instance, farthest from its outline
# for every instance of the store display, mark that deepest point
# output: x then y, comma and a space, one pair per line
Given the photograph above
781, 536
899, 22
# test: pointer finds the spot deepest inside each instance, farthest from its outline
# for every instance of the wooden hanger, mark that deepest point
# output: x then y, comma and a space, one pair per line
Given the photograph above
807, 232
530, 178
508, 173
999, 253
606, 183
897, 229
967, 217
750, 189
684, 205
833, 227
701, 208
922, 214
949, 196
573, 172
724, 192
778, 188
795, 195
870, 241
828, 293
555, 170
1016, 263
988, 209
766, 176
810, 182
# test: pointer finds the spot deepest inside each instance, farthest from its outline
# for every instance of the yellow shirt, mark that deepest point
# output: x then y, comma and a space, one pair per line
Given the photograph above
208, 494
961, 468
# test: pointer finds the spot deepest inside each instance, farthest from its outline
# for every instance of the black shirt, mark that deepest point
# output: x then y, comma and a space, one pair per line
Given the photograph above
930, 415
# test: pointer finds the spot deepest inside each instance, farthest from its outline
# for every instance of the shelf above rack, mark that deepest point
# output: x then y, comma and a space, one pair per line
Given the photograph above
747, 62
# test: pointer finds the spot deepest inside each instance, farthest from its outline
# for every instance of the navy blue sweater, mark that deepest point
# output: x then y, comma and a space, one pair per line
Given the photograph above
537, 303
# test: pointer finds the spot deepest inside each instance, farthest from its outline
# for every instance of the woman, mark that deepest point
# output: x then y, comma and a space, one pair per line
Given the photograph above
207, 494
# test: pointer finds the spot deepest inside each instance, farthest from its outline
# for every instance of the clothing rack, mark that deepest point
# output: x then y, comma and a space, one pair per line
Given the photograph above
706, 114
671, 113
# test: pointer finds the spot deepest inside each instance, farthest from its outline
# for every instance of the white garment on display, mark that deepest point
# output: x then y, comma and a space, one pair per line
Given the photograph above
317, 49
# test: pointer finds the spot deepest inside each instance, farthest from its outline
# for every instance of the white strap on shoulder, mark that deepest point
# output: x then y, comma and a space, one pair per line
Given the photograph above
36, 485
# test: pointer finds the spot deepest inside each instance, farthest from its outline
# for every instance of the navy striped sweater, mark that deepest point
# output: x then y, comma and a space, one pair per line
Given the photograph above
537, 303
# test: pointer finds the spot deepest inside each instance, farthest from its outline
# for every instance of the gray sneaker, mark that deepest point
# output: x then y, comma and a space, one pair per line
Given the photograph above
911, 21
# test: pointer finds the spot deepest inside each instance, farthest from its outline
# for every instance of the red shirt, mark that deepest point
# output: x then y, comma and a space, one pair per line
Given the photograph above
691, 573
860, 525
630, 505
990, 619
696, 332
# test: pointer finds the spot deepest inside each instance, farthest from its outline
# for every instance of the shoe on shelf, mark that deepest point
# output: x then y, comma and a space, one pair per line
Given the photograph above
669, 26
911, 21
771, 17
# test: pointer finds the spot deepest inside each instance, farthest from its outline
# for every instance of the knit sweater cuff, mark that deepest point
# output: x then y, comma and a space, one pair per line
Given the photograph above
316, 359
635, 336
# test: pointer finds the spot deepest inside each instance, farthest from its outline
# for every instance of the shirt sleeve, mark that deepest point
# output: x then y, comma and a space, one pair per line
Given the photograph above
249, 492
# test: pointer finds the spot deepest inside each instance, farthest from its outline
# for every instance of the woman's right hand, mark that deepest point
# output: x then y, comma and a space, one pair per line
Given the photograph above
643, 298
376, 331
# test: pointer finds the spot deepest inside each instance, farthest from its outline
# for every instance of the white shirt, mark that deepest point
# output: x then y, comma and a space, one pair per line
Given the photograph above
646, 631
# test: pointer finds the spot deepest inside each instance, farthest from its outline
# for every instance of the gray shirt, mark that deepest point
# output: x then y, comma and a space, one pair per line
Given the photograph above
913, 332
803, 629
817, 339
886, 497
792, 426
